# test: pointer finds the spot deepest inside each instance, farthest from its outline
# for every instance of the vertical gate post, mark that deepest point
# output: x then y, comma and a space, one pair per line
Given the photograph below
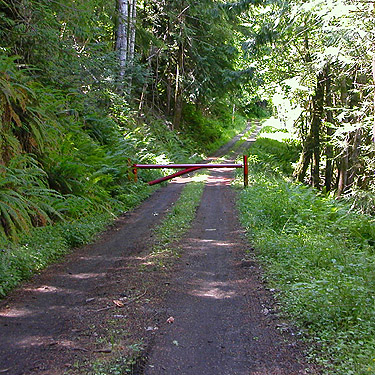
135, 173
245, 171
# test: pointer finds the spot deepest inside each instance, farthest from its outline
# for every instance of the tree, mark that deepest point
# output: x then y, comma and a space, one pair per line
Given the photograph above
324, 50
122, 37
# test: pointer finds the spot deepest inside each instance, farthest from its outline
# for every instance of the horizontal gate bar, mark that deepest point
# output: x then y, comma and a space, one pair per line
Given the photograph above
178, 166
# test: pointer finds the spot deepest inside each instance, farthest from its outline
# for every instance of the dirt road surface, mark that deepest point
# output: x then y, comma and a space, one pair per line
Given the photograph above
223, 321
220, 326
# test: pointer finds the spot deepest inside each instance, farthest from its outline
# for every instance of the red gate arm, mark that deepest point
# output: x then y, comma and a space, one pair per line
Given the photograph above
179, 173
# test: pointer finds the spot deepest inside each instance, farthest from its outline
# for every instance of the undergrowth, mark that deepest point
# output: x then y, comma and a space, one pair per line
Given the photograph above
320, 257
209, 132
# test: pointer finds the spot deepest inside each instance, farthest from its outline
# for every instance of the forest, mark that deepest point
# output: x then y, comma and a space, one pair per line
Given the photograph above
88, 88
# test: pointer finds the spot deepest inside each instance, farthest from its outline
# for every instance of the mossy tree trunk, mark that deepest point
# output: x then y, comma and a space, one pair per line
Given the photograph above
328, 173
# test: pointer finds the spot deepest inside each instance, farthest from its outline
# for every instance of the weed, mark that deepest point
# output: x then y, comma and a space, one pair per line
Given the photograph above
120, 365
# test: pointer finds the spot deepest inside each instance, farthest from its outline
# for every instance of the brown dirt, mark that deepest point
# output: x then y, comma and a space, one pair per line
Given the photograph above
106, 297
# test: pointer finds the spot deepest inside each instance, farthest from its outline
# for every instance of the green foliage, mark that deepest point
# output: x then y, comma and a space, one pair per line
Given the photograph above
319, 256
118, 366
273, 156
22, 128
25, 199
68, 135
174, 29
295, 48
210, 131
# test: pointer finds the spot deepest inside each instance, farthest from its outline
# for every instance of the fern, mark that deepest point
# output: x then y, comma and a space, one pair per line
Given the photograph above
25, 199
22, 127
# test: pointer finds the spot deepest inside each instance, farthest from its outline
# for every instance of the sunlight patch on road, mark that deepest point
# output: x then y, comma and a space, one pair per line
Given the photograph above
213, 242
214, 289
16, 313
84, 276
219, 180
45, 289
200, 177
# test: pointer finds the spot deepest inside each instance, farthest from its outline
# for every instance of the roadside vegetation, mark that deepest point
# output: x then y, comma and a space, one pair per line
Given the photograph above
177, 222
319, 256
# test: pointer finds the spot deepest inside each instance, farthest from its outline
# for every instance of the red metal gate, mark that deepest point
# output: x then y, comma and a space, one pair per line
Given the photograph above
186, 168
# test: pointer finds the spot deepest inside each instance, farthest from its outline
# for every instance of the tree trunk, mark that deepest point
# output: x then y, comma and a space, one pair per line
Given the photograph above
305, 157
328, 173
145, 85
131, 52
122, 38
329, 131
317, 114
308, 145
354, 167
169, 95
132, 24
178, 97
304, 160
178, 88
155, 96
343, 172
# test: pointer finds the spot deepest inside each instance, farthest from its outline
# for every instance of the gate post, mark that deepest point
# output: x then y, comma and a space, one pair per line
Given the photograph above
135, 173
245, 171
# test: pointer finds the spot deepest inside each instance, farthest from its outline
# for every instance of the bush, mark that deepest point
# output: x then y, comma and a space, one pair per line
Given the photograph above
275, 157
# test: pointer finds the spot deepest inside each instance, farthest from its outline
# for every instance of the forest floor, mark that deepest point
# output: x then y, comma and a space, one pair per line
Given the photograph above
207, 312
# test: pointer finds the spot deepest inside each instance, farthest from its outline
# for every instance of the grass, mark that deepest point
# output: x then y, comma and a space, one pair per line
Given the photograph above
176, 224
120, 365
44, 246
319, 256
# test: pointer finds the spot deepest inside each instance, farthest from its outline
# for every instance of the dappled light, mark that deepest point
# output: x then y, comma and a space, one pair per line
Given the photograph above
16, 313
218, 180
212, 289
47, 289
84, 276
215, 243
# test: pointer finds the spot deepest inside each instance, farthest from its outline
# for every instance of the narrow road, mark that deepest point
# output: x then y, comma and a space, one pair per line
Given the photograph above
66, 315
218, 302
